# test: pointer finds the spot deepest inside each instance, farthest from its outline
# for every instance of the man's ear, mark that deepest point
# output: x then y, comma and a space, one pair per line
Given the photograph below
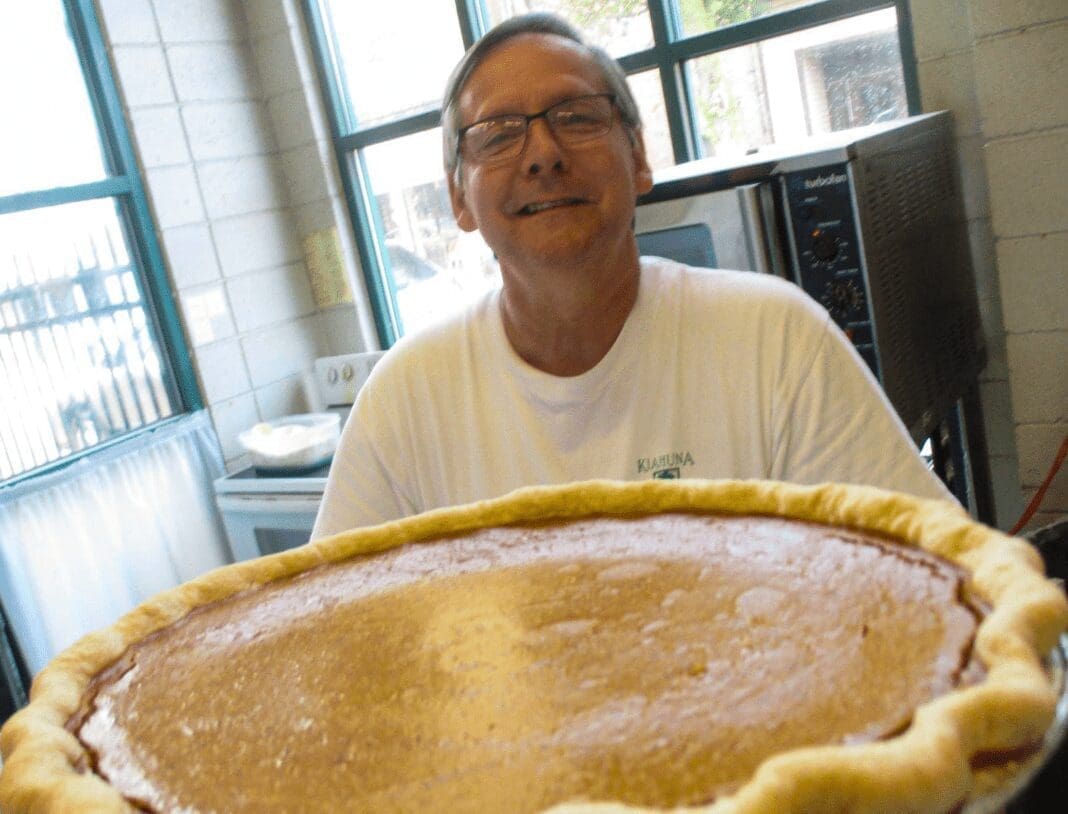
464, 219
643, 173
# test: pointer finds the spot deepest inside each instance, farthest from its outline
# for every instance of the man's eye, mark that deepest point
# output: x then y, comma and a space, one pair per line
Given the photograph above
496, 136
497, 139
577, 119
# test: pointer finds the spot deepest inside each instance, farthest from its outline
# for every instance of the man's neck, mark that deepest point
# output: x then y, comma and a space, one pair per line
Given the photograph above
563, 320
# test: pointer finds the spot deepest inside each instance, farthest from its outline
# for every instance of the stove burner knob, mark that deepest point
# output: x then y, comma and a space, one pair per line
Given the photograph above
331, 375
347, 372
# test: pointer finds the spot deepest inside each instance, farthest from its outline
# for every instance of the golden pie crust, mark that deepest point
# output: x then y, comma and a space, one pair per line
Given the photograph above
928, 767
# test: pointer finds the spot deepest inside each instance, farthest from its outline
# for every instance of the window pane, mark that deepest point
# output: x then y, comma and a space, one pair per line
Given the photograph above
78, 351
620, 27
55, 143
650, 97
395, 56
834, 76
437, 267
699, 16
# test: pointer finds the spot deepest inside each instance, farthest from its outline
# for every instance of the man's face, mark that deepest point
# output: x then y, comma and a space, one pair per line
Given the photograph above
590, 188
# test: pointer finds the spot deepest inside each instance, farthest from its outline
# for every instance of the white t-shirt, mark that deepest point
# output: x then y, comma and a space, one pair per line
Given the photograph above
715, 374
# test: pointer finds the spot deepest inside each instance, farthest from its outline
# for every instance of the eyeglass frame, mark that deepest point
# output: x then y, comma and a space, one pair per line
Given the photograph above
543, 114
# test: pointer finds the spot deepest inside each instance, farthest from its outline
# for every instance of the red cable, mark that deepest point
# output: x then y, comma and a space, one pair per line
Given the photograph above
1036, 501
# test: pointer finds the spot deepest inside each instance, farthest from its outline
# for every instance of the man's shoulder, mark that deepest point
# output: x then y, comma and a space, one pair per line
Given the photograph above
416, 353
449, 329
726, 288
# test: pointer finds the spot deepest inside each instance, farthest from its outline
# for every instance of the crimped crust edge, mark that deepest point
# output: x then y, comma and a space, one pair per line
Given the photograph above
925, 768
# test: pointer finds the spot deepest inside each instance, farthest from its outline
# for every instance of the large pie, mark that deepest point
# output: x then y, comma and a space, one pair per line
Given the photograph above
729, 646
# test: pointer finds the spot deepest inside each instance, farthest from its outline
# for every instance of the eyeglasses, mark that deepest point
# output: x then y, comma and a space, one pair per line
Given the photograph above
571, 121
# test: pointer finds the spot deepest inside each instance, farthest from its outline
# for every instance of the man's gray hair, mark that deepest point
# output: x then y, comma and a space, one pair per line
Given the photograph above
536, 23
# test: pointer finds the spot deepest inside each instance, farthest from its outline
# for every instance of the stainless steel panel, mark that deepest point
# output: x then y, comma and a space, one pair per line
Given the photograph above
734, 217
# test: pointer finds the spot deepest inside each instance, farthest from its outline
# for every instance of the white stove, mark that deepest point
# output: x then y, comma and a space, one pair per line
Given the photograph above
269, 511
339, 378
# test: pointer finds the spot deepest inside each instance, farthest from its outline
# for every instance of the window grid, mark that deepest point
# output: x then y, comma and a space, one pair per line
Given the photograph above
671, 50
91, 321
100, 298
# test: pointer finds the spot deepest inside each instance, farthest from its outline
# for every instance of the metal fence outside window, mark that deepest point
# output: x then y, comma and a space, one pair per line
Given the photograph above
91, 346
78, 357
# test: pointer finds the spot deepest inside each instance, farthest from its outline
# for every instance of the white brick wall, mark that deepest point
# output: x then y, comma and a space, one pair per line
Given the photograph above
255, 241
946, 69
129, 21
239, 186
277, 63
141, 71
270, 297
293, 120
190, 254
206, 313
997, 16
200, 20
231, 418
277, 352
1026, 174
212, 71
1002, 67
175, 195
219, 95
222, 370
1038, 361
1021, 54
1021, 79
1034, 282
300, 127
226, 130
155, 128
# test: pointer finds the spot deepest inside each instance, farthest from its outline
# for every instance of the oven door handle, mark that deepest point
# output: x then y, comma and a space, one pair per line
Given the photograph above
277, 504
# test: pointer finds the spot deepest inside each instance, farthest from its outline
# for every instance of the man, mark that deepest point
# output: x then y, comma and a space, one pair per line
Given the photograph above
590, 362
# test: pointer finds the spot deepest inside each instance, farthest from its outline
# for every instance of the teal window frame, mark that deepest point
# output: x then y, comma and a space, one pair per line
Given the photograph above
124, 185
671, 49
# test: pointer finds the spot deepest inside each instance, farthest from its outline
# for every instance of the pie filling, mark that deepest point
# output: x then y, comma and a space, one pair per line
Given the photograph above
653, 661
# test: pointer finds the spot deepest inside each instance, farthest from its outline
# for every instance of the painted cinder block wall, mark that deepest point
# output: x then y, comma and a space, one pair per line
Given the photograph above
225, 114
1002, 67
230, 129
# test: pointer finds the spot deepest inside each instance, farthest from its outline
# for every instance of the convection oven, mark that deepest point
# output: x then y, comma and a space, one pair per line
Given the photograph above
870, 223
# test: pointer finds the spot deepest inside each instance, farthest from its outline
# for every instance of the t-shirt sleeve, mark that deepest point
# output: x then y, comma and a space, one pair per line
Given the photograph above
837, 423
361, 490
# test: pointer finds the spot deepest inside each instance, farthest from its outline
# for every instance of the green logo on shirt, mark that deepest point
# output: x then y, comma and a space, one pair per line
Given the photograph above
667, 466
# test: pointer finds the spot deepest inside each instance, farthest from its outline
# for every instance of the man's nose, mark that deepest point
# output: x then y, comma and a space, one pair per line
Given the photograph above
542, 151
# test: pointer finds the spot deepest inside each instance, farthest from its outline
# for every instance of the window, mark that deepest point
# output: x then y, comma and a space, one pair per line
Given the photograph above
90, 348
711, 77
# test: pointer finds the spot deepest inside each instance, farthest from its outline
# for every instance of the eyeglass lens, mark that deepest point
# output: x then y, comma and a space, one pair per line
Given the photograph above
571, 121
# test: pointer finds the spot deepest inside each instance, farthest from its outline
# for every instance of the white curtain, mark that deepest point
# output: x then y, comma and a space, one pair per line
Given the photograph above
81, 546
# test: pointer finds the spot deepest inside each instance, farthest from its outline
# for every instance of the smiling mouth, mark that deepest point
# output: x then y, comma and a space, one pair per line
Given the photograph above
535, 208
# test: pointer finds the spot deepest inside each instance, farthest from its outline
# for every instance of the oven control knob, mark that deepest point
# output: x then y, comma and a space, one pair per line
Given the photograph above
347, 372
840, 297
824, 246
331, 375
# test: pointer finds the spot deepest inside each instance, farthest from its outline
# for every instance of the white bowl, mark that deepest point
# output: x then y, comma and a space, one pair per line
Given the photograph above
293, 442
